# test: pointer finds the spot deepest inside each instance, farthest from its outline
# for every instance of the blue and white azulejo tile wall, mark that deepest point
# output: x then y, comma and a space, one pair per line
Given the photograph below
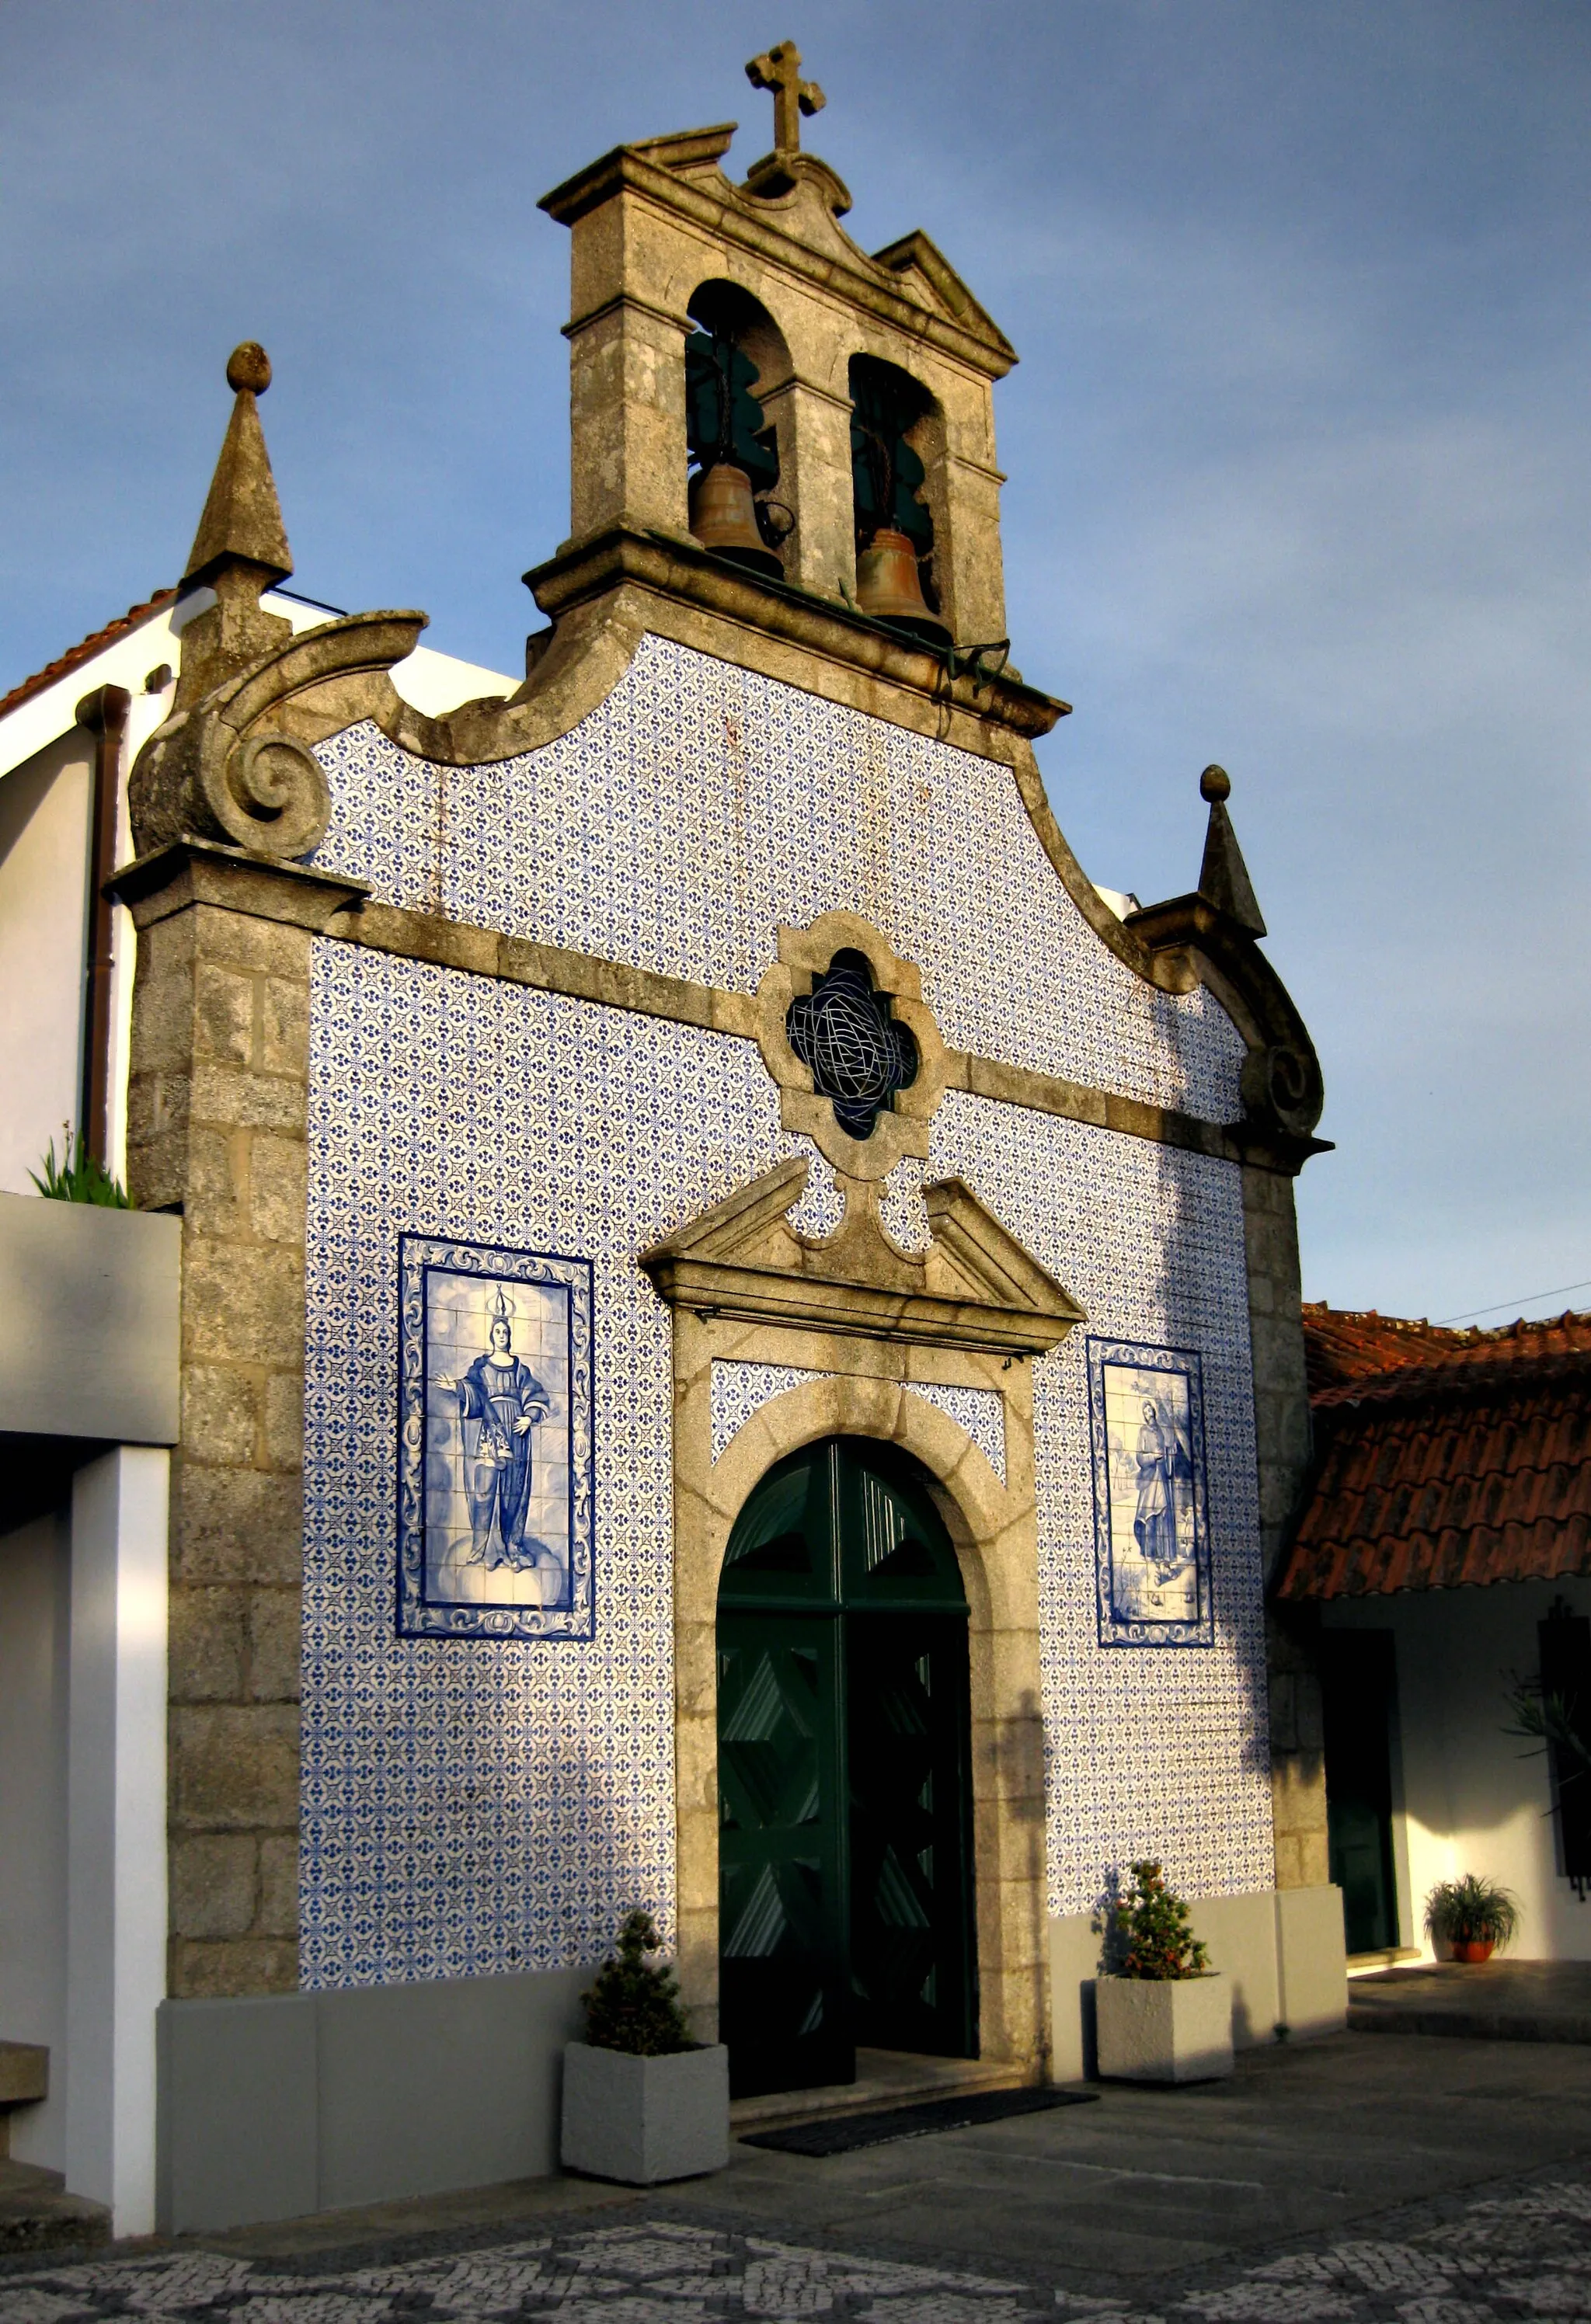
701, 804
1151, 1750
737, 1389
480, 1804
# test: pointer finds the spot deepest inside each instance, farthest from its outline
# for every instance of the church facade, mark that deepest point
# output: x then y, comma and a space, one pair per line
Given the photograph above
741, 1344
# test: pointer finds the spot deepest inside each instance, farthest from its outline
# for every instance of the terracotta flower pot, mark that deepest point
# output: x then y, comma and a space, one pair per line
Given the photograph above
1472, 1949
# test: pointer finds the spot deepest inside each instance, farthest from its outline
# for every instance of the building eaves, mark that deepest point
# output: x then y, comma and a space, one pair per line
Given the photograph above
1342, 1346
1444, 1475
76, 656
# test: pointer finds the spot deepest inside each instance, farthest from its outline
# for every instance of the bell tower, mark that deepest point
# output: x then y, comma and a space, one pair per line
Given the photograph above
746, 379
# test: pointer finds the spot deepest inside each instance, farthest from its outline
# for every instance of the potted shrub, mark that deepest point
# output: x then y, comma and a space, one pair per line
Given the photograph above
642, 2100
1471, 1917
1163, 2014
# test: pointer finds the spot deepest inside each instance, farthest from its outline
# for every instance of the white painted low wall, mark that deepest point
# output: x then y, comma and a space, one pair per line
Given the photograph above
1282, 1949
1466, 1796
90, 1308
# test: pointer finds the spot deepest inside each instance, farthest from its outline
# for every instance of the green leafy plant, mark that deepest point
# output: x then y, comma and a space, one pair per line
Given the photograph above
1147, 1930
78, 1177
634, 2004
1555, 1719
1471, 1912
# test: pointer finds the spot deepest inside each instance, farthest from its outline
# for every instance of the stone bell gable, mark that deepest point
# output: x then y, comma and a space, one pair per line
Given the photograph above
657, 225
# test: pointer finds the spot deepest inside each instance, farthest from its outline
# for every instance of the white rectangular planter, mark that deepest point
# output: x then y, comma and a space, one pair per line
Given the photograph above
641, 2120
1174, 2029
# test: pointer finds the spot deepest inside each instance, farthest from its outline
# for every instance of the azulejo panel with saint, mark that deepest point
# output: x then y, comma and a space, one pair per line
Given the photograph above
496, 1443
1152, 1534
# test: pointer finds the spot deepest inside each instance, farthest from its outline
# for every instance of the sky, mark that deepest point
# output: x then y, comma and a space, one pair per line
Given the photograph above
1298, 453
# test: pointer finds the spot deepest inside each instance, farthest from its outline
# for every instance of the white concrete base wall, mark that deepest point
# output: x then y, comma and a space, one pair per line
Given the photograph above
115, 1950
1467, 1797
1281, 1951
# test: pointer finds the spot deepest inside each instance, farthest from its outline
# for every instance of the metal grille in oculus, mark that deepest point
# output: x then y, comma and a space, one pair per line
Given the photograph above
843, 1034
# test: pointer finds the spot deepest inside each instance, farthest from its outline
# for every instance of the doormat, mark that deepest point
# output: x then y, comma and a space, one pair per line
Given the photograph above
844, 2134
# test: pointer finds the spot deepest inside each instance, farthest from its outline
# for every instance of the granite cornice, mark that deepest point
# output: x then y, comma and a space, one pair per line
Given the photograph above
672, 316
676, 570
1173, 974
200, 871
723, 214
614, 984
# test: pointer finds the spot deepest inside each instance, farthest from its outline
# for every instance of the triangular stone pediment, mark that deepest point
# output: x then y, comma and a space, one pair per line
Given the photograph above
929, 275
975, 1286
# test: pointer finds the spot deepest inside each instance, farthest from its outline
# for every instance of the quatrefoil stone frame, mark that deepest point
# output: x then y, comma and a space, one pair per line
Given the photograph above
902, 1128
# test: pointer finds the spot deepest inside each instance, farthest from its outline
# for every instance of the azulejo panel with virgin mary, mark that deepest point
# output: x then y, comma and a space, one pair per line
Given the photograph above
494, 1462
1152, 1534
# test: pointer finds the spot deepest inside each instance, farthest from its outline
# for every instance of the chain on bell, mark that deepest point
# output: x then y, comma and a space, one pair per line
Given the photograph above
890, 589
724, 518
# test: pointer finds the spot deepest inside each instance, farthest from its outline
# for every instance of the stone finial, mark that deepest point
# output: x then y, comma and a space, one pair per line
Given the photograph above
240, 549
1223, 877
779, 69
242, 518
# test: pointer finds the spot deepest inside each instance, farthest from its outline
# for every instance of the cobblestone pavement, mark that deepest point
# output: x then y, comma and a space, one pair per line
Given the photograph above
1513, 2257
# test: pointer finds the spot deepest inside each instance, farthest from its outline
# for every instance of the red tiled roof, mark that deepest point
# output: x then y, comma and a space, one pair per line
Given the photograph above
1341, 1345
77, 655
1445, 1457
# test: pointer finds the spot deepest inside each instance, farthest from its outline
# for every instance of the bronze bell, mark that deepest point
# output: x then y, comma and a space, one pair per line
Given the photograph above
724, 518
889, 588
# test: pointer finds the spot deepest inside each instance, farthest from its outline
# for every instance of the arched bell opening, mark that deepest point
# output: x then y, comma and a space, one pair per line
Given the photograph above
735, 361
847, 1892
896, 428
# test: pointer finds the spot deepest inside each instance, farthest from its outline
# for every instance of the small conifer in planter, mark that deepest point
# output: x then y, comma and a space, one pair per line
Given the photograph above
1162, 2013
642, 2101
634, 2004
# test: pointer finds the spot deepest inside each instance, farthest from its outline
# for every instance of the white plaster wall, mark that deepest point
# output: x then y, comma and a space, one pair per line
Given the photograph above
46, 787
34, 1584
44, 897
1467, 1798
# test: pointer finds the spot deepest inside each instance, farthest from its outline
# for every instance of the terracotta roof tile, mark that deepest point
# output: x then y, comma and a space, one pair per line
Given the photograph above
1342, 1345
1447, 1458
77, 655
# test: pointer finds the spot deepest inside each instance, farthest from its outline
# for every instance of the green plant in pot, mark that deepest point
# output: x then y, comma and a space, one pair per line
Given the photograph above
1160, 2013
1471, 1915
634, 2004
642, 2100
1148, 1931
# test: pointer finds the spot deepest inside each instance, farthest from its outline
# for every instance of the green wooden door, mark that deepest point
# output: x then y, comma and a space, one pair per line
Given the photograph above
782, 1975
1358, 1688
845, 1852
911, 1925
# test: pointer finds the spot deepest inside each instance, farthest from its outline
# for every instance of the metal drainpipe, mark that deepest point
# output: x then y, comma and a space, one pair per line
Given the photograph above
104, 714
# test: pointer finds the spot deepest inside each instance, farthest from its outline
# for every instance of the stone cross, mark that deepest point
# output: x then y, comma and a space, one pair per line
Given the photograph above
780, 69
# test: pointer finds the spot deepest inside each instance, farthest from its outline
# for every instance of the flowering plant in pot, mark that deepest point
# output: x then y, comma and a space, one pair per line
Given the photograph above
642, 2100
1162, 2013
1472, 1916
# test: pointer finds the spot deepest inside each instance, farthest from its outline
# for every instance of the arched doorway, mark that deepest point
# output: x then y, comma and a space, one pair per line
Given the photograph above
845, 1849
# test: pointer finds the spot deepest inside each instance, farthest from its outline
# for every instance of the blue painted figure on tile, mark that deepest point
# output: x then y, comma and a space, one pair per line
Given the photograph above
1163, 1464
500, 1402
1151, 1529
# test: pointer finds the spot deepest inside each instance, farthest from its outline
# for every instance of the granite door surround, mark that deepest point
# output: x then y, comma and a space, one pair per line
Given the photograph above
744, 1287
